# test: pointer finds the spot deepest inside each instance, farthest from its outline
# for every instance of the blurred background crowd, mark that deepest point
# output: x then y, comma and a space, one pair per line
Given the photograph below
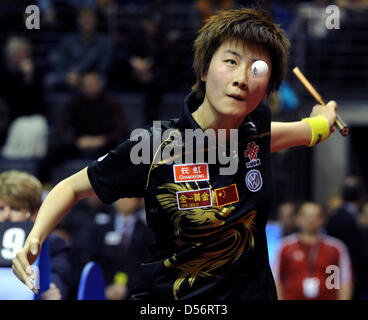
96, 69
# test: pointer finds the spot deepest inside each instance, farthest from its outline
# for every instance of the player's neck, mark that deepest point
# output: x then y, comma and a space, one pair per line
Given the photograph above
208, 118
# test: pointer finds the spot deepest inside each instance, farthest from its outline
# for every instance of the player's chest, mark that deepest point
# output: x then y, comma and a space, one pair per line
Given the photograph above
240, 175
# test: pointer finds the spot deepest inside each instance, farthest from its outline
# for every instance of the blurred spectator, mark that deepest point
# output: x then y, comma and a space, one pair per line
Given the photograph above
12, 19
356, 4
363, 226
51, 9
91, 124
286, 218
334, 201
207, 8
363, 216
94, 117
203, 9
332, 57
301, 265
308, 32
3, 213
61, 14
315, 13
78, 229
21, 91
20, 199
344, 226
85, 50
4, 120
350, 42
149, 58
120, 246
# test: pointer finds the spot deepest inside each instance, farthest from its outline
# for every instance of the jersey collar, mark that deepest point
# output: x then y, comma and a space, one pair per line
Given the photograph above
192, 103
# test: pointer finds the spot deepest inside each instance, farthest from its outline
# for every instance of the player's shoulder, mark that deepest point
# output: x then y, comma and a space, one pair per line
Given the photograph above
260, 118
154, 129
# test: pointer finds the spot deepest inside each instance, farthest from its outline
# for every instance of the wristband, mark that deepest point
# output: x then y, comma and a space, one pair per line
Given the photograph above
320, 129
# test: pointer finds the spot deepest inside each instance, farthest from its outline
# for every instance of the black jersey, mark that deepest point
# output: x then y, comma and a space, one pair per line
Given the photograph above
210, 239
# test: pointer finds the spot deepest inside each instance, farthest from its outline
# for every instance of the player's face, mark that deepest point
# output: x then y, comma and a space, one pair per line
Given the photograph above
11, 212
232, 89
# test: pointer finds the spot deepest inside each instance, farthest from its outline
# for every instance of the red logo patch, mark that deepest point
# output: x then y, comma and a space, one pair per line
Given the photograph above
194, 199
191, 172
252, 150
227, 195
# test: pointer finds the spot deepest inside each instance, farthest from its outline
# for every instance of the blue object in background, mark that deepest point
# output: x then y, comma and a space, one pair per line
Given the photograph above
273, 234
43, 263
11, 288
289, 100
92, 283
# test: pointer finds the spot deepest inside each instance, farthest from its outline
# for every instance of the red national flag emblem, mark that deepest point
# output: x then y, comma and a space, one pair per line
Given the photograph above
226, 195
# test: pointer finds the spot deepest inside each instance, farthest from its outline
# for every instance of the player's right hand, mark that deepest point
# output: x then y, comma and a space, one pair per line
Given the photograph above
24, 259
328, 111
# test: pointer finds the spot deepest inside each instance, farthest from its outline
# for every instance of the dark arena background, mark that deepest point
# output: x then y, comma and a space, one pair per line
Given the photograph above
136, 67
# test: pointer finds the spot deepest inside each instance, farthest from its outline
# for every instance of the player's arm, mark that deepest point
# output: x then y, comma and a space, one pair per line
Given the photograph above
56, 205
285, 135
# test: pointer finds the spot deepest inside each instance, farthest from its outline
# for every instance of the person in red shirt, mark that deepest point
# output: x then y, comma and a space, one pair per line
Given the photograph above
310, 265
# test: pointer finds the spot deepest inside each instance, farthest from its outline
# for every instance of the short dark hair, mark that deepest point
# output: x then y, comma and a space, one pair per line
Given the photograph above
248, 26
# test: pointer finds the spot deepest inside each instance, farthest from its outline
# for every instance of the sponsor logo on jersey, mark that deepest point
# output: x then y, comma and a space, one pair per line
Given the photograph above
194, 199
191, 172
253, 180
251, 154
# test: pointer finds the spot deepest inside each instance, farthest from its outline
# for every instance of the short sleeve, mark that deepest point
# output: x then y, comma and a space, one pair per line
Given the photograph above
115, 176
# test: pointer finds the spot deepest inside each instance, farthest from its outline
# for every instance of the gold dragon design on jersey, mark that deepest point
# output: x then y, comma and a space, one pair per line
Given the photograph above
205, 230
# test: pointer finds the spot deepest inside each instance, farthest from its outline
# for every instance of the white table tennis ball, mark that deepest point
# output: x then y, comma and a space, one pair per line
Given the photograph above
259, 68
